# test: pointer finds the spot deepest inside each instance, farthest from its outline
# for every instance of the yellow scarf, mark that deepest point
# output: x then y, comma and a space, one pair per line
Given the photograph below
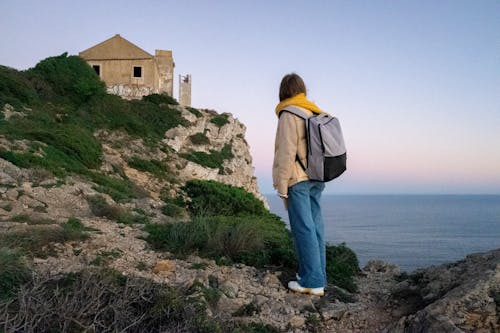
298, 100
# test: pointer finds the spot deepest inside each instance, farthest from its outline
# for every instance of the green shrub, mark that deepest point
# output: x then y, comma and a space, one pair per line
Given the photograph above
342, 266
196, 112
15, 88
159, 99
120, 190
172, 210
70, 78
252, 240
13, 272
220, 119
137, 117
155, 167
199, 139
210, 198
213, 160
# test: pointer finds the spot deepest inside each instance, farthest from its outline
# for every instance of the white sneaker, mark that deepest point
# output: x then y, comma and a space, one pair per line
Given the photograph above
296, 287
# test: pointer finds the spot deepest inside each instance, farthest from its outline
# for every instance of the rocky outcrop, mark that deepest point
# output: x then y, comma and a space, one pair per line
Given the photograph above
459, 297
236, 171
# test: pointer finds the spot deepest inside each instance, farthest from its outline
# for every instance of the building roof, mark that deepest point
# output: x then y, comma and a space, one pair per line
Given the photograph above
115, 48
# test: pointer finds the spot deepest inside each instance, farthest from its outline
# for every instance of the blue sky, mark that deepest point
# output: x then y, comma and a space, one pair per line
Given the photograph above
416, 84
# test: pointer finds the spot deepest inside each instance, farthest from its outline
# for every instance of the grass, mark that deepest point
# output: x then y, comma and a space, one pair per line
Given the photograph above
101, 208
13, 271
213, 160
256, 241
121, 190
157, 168
37, 242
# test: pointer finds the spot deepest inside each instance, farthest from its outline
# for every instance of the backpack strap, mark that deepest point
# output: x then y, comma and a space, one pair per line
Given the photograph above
297, 111
301, 114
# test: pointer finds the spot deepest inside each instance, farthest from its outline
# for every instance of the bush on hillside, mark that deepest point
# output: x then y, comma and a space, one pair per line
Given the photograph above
342, 266
141, 119
220, 120
13, 271
253, 240
15, 88
159, 99
210, 198
70, 78
213, 160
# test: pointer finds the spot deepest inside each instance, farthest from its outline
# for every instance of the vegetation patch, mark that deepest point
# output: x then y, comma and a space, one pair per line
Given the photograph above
199, 139
210, 198
247, 310
103, 300
13, 272
119, 189
157, 168
38, 242
213, 160
159, 99
100, 207
25, 218
194, 111
252, 240
104, 257
342, 266
220, 119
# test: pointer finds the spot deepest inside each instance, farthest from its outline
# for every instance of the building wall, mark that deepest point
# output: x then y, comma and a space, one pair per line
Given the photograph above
165, 65
117, 57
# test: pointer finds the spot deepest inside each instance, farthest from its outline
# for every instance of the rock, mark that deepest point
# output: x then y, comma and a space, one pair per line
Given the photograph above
7, 180
297, 321
229, 289
164, 266
454, 298
379, 266
12, 194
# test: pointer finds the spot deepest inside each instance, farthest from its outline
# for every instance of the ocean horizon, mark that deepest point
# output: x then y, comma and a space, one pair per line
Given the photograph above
410, 230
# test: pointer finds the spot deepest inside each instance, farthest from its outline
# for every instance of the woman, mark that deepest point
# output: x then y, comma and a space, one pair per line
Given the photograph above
301, 196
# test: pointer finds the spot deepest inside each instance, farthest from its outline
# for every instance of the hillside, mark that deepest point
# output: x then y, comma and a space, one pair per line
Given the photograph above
145, 216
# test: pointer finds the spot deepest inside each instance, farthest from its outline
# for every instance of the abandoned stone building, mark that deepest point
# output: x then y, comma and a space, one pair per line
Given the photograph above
131, 72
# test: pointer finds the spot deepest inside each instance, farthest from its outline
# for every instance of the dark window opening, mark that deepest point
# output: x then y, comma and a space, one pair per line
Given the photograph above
137, 71
97, 69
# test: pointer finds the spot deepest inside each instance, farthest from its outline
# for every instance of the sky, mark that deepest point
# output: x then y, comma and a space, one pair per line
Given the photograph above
414, 83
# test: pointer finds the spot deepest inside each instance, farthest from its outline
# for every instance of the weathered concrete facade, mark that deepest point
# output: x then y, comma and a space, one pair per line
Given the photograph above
128, 70
185, 90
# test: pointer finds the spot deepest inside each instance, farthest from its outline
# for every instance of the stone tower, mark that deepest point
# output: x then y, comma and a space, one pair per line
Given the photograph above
185, 90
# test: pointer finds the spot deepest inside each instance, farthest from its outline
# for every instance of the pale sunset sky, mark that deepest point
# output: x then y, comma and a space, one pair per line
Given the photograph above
415, 83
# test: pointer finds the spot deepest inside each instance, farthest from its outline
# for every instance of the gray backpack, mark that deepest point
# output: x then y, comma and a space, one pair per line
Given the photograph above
326, 153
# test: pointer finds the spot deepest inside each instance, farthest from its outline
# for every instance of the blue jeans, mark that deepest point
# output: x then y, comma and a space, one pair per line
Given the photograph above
306, 223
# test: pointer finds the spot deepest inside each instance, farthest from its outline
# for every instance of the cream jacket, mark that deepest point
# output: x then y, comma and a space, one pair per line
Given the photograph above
290, 142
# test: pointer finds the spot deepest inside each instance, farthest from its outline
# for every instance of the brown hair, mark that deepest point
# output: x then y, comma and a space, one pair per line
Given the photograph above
291, 85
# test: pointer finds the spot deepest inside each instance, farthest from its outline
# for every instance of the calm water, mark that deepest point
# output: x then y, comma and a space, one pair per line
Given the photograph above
411, 231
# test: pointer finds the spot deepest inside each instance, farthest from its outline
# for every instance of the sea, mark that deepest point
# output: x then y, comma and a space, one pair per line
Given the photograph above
411, 231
